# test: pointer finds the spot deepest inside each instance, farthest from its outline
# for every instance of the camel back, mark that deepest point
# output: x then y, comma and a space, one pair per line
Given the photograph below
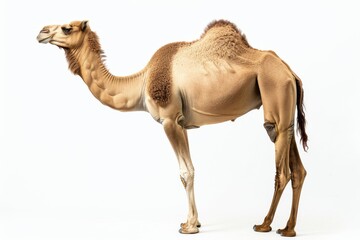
226, 43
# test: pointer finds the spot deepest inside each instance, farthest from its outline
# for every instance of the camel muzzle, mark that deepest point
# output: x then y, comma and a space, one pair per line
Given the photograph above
44, 35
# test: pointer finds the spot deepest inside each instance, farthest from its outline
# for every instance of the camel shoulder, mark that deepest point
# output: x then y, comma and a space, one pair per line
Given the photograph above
160, 72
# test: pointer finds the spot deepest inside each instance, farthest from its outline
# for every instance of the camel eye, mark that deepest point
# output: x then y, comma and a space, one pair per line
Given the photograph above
66, 30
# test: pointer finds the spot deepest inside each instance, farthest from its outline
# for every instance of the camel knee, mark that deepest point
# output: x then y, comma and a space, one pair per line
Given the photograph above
298, 178
187, 177
281, 183
281, 180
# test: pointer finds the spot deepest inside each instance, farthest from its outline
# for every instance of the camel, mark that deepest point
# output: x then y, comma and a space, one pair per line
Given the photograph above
185, 85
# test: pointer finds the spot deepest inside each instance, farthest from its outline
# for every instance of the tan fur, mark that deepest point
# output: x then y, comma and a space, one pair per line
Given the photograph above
160, 73
226, 41
229, 25
74, 66
94, 43
217, 78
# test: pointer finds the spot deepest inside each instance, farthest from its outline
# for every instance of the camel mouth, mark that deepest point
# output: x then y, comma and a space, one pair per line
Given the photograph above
45, 39
58, 43
44, 36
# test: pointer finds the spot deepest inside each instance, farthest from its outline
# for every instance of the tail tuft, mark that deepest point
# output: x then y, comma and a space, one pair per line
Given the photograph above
301, 121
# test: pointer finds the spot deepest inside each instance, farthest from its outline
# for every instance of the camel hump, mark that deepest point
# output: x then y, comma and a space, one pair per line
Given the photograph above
160, 73
226, 24
221, 23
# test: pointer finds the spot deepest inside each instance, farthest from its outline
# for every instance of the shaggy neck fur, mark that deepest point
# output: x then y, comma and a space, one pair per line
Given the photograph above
121, 93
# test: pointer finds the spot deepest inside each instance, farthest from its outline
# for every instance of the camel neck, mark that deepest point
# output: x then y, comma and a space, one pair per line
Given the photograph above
121, 93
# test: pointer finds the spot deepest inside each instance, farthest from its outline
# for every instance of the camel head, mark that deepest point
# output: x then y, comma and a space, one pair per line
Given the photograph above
67, 36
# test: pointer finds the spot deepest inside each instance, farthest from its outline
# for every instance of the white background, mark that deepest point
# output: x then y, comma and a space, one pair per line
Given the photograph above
71, 168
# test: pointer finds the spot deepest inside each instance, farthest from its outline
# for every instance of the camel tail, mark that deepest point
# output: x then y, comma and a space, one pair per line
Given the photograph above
301, 121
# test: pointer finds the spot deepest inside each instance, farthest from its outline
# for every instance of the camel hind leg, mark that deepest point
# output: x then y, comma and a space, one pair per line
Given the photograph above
278, 93
298, 174
282, 177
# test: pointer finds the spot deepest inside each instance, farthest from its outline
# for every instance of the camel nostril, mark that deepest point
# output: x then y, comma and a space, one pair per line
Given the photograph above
45, 30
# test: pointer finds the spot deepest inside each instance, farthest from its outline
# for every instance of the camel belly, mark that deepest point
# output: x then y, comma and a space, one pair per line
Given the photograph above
195, 117
215, 100
199, 118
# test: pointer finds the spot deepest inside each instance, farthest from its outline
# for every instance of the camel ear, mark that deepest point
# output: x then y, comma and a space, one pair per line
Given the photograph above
84, 25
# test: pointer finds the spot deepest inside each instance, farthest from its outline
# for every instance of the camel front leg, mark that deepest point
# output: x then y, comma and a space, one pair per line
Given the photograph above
179, 141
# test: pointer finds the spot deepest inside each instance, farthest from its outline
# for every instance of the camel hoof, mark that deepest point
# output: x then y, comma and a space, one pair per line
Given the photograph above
183, 225
262, 228
188, 230
286, 232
